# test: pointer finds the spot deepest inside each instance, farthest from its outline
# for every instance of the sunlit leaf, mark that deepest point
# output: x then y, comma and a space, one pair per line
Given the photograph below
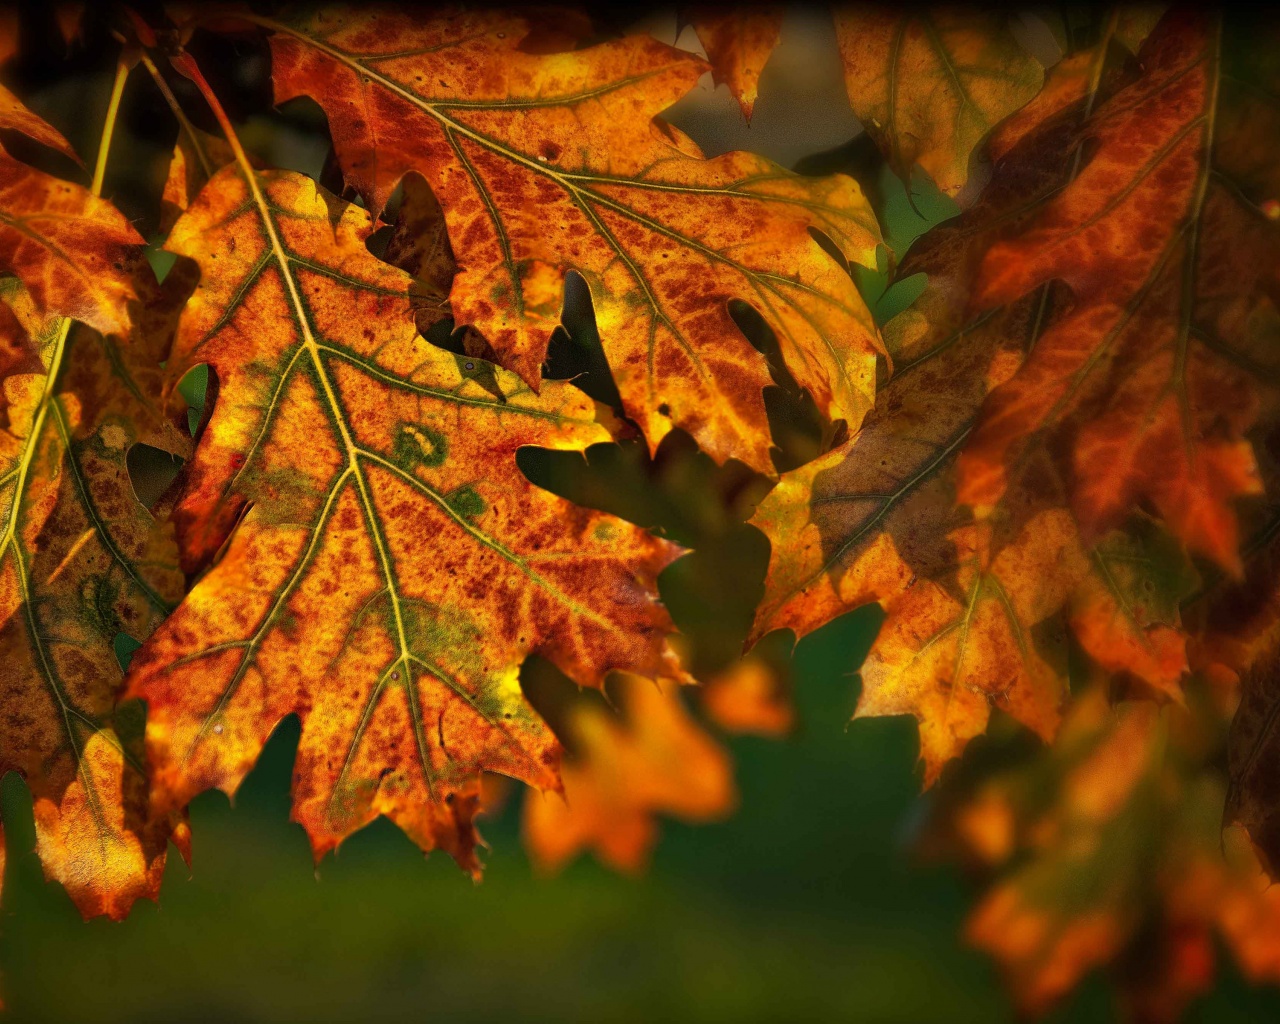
82, 561
72, 250
380, 566
738, 42
546, 163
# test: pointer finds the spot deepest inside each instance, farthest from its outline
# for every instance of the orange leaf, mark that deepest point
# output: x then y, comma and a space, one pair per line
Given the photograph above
197, 156
1141, 380
381, 567
976, 609
750, 696
72, 250
738, 42
928, 85
14, 116
657, 761
81, 562
1110, 855
1042, 922
548, 163
1254, 798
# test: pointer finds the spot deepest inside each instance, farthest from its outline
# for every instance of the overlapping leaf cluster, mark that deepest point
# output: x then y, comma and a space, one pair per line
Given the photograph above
1071, 458
360, 547
1107, 853
1081, 412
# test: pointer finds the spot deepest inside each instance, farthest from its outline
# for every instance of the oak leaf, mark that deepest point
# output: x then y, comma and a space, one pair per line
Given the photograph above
1238, 642
82, 562
929, 84
15, 116
73, 251
1105, 851
546, 163
379, 565
1138, 384
977, 610
738, 42
753, 695
657, 760
197, 156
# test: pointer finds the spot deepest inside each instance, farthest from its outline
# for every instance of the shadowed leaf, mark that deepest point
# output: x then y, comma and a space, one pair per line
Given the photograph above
977, 610
81, 561
1145, 383
1105, 852
929, 84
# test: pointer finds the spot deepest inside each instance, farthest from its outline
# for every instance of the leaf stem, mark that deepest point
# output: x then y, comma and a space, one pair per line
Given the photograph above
187, 67
179, 115
108, 129
64, 324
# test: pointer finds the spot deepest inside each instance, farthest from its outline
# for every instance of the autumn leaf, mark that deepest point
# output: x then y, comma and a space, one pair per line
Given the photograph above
1238, 640
1045, 924
81, 562
1105, 852
753, 696
72, 250
197, 156
1077, 77
15, 116
928, 84
857, 524
656, 760
1126, 611
738, 42
546, 163
19, 354
973, 618
978, 610
419, 244
1140, 383
380, 566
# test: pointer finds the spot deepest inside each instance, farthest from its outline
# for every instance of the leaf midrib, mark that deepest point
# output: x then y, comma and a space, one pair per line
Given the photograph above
568, 180
353, 470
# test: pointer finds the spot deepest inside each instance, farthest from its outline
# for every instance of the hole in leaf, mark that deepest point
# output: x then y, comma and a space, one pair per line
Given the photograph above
151, 471
125, 647
575, 353
194, 389
800, 432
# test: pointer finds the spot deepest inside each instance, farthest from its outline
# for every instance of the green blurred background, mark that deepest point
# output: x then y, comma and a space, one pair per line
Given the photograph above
807, 904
